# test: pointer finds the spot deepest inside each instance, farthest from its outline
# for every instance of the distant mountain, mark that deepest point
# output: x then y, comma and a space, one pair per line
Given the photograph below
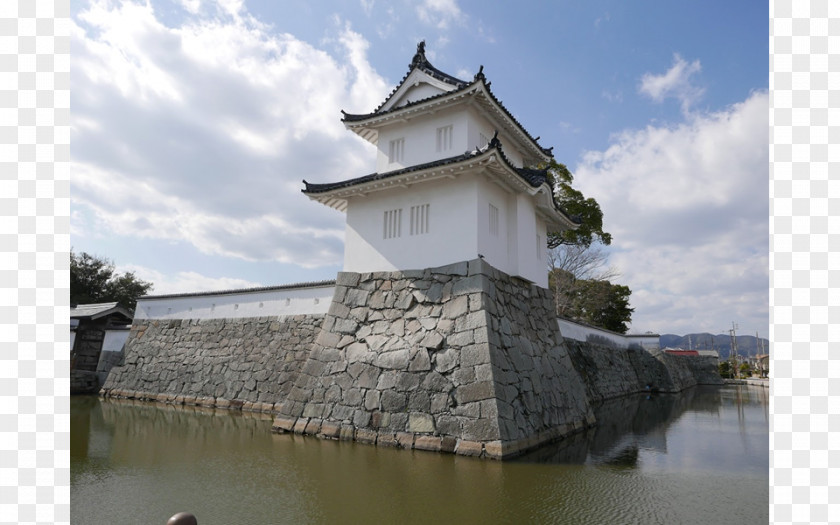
721, 342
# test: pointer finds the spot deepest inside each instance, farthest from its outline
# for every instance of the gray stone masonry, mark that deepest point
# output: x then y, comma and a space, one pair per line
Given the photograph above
461, 358
610, 372
246, 363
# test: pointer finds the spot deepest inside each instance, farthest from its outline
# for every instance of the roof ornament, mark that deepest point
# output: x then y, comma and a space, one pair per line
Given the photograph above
480, 74
420, 56
494, 142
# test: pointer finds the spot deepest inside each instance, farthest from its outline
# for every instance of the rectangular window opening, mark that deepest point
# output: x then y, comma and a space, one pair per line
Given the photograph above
392, 224
494, 221
396, 148
444, 138
420, 219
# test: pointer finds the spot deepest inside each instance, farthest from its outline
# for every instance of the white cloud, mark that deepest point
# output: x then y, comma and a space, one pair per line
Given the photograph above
612, 96
674, 83
440, 13
184, 282
193, 6
688, 209
202, 132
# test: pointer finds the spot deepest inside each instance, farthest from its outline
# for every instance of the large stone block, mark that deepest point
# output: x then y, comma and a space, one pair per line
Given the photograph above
474, 392
419, 360
430, 443
395, 360
420, 422
393, 401
456, 307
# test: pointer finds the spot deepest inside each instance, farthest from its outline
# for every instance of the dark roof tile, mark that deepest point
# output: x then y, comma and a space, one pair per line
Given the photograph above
420, 62
534, 177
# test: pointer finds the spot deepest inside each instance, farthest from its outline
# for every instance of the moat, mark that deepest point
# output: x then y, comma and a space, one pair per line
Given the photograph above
696, 457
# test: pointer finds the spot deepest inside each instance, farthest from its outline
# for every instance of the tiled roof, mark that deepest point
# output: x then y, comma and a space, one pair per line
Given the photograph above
420, 62
96, 310
314, 284
533, 177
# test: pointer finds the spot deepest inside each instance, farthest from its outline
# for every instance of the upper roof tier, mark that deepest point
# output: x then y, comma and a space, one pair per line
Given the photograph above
491, 158
426, 89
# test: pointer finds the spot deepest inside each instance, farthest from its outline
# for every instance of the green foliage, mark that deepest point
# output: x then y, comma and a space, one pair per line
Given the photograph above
725, 369
92, 280
745, 370
596, 302
575, 204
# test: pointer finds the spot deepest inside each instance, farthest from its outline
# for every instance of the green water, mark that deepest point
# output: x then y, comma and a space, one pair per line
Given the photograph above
697, 457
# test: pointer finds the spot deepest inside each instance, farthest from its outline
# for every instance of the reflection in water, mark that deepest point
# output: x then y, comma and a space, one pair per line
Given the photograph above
623, 425
663, 459
654, 423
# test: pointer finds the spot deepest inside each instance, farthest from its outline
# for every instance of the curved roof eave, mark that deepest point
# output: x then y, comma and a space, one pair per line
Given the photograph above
560, 217
420, 62
532, 181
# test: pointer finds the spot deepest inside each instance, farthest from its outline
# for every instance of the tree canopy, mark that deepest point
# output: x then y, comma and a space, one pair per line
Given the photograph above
596, 302
93, 280
573, 202
582, 288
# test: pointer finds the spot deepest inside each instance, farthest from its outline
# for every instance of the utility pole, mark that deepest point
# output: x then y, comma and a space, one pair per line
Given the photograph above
733, 355
759, 349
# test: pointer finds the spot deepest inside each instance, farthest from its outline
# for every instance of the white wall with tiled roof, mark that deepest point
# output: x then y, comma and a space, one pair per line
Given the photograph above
460, 228
237, 305
379, 234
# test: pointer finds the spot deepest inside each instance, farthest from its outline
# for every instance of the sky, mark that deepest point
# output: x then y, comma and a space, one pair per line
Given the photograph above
194, 123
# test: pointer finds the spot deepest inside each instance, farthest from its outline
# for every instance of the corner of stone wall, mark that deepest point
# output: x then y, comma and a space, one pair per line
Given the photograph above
461, 358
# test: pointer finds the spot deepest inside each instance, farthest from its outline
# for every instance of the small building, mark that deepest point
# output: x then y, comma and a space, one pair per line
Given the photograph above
456, 179
98, 333
679, 351
761, 364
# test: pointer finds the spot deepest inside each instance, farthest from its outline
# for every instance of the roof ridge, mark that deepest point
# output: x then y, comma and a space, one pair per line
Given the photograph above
419, 61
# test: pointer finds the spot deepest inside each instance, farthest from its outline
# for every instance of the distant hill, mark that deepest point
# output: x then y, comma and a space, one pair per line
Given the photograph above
720, 342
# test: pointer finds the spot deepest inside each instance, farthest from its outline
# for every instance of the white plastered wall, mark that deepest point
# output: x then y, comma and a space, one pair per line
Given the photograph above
311, 300
459, 229
420, 136
418, 92
494, 248
478, 125
452, 227
578, 332
523, 228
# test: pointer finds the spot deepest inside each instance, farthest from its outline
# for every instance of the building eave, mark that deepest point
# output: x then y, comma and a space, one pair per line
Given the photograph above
491, 159
366, 125
98, 311
420, 63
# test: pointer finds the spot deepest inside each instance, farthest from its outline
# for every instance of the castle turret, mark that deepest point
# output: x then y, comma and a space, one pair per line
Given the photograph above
455, 180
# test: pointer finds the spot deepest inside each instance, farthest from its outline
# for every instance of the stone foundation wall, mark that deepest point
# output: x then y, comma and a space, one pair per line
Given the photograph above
461, 358
83, 382
612, 372
249, 363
